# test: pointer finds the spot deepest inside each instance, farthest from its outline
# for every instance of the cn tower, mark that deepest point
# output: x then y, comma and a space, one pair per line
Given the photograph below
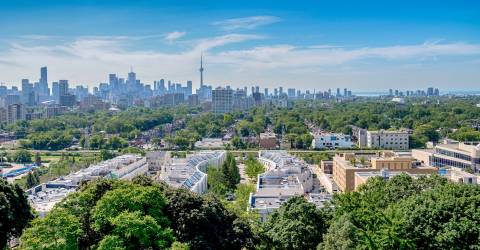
201, 71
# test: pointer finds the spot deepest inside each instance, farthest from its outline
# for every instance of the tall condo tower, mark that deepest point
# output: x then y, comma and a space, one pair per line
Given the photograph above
201, 71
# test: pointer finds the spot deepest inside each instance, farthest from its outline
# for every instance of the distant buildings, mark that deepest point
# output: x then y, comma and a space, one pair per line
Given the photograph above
382, 139
331, 141
222, 100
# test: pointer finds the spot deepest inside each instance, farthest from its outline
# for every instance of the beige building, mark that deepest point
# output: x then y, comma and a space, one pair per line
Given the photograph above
451, 154
346, 165
387, 139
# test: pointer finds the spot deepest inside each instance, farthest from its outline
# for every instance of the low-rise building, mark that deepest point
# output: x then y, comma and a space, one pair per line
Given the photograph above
346, 165
190, 172
451, 154
286, 176
44, 196
331, 141
388, 139
268, 140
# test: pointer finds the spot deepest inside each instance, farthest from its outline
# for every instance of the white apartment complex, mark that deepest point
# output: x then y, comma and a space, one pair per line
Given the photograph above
331, 141
286, 176
190, 172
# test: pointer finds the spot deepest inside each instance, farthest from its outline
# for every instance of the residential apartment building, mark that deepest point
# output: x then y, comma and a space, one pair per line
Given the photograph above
188, 172
222, 100
286, 176
387, 139
15, 112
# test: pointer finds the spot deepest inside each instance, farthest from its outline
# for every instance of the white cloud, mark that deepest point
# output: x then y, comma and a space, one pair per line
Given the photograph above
246, 22
172, 36
89, 60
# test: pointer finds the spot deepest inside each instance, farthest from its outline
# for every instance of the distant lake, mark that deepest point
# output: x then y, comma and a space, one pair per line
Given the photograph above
452, 92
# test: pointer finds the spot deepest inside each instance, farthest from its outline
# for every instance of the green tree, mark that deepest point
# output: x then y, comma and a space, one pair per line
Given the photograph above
253, 168
203, 222
22, 156
15, 212
102, 212
106, 155
297, 224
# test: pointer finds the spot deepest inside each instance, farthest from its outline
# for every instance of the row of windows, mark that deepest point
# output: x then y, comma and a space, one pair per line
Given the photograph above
454, 154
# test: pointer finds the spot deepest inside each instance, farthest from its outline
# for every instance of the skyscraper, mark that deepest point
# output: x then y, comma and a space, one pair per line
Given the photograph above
43, 75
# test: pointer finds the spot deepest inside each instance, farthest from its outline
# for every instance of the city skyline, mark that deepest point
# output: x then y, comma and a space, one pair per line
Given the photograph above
364, 47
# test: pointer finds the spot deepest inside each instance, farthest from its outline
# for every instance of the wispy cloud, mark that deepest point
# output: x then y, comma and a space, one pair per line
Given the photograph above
172, 36
251, 22
90, 60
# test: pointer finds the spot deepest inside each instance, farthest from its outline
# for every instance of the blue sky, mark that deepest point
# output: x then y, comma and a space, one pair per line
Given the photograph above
362, 45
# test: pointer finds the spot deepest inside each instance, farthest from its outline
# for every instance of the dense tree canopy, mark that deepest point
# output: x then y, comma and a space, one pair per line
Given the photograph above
15, 212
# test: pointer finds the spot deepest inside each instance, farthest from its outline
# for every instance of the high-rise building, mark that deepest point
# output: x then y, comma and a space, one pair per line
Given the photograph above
266, 92
430, 91
15, 112
222, 100
338, 92
56, 92
291, 93
62, 87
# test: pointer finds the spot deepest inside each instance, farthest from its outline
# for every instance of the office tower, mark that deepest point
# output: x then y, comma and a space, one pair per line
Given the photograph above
430, 91
257, 89
113, 82
329, 92
436, 92
28, 95
299, 93
396, 92
43, 75
266, 92
189, 89
43, 90
222, 100
63, 87
56, 92
253, 90
338, 91
275, 92
345, 92
280, 90
291, 93
390, 92
201, 71
132, 78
